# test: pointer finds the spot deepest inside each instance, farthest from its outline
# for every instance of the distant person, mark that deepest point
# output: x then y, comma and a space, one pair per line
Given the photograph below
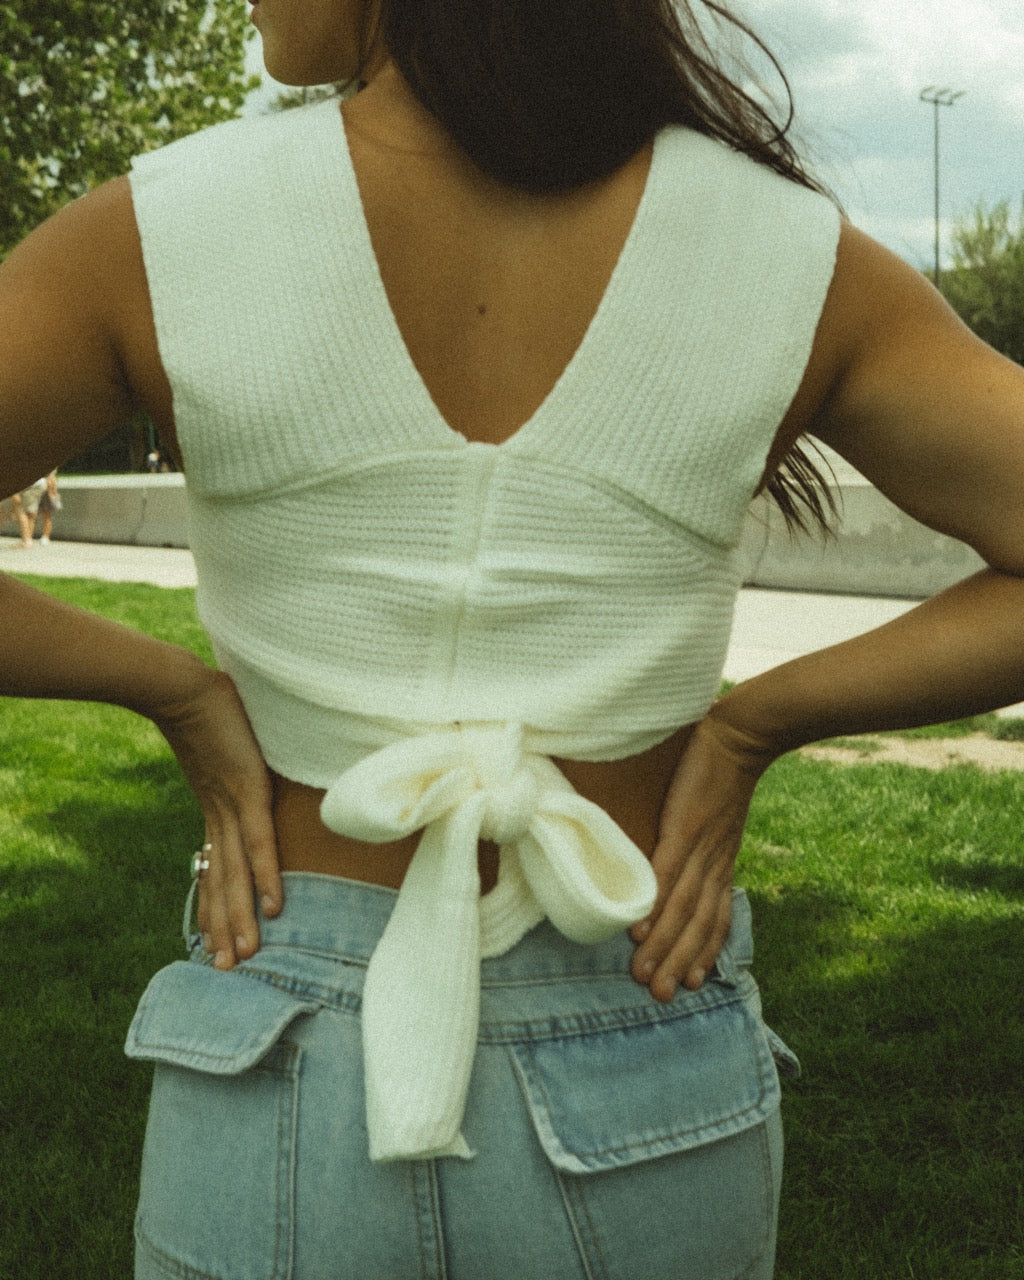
40, 499
49, 502
158, 463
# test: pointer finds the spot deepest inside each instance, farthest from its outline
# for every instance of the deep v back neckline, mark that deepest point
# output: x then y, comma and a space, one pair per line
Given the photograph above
388, 337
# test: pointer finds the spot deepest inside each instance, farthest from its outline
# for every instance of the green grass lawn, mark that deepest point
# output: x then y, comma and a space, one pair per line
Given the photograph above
889, 911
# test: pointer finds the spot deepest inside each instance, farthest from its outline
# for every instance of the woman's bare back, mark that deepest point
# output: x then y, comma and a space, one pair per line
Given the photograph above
492, 289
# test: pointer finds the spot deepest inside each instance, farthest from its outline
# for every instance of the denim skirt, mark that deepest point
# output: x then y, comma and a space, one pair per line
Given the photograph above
616, 1138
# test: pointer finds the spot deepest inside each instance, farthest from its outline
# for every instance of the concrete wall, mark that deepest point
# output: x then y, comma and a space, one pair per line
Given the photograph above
131, 510
879, 551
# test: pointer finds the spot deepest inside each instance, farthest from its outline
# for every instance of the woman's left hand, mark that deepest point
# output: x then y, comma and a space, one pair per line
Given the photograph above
701, 827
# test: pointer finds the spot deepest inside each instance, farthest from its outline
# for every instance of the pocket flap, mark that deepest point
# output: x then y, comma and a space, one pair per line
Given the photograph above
612, 1098
210, 1020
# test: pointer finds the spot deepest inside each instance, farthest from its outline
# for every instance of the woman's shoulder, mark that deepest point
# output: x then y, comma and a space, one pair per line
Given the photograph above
886, 342
81, 252
685, 153
217, 144
877, 305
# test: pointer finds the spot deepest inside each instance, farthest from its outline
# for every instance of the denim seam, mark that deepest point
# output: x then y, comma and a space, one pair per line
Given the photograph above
550, 979
499, 1031
579, 1026
326, 996
591, 1258
429, 1229
768, 1207
287, 1136
727, 975
414, 1189
201, 1059
322, 953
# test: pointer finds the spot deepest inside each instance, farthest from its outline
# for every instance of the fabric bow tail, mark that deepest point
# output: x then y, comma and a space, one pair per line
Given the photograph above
421, 998
589, 878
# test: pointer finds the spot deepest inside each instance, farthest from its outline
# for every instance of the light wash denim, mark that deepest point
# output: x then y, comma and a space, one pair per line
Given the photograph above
616, 1138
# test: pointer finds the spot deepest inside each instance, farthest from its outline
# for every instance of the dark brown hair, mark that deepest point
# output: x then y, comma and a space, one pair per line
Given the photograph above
549, 95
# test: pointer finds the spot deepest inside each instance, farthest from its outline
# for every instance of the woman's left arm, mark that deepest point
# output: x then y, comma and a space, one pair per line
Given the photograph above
935, 419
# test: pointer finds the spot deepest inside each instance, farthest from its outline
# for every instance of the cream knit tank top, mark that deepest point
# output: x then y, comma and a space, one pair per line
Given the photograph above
416, 623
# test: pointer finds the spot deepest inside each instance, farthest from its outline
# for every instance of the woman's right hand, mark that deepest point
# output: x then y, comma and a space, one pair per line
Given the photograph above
209, 733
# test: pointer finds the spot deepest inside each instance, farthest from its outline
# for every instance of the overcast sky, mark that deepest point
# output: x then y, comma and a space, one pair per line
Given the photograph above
857, 67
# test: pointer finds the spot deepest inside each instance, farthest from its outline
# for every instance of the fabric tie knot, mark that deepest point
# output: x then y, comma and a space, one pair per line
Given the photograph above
510, 808
511, 789
561, 856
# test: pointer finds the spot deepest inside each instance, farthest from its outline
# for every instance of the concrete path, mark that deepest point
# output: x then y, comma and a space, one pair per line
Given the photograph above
162, 566
770, 626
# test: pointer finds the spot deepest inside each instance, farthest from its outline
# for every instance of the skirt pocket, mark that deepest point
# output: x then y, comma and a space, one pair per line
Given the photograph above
610, 1098
664, 1137
218, 1171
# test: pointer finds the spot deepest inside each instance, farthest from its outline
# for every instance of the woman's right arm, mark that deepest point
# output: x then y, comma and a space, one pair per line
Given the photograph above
936, 420
64, 331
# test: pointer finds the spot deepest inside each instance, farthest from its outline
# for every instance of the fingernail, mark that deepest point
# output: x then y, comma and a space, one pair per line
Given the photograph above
242, 944
222, 960
268, 905
647, 969
642, 931
697, 977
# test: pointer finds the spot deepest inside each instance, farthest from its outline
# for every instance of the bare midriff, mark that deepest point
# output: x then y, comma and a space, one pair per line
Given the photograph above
630, 791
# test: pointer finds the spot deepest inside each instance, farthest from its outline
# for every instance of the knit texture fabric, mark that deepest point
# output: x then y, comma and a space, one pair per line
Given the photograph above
367, 575
357, 555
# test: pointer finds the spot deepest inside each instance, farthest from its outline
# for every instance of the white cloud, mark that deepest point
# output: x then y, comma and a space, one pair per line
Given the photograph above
944, 39
857, 69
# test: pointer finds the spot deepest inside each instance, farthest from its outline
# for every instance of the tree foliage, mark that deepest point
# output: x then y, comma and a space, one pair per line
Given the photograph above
986, 282
87, 84
292, 98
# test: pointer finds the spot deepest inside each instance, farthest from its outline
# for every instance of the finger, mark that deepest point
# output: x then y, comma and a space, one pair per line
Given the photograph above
667, 922
685, 931
690, 961
227, 913
719, 935
217, 926
260, 844
202, 899
641, 931
667, 862
236, 884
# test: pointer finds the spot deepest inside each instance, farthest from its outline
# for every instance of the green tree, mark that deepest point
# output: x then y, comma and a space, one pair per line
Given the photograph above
87, 84
985, 284
292, 98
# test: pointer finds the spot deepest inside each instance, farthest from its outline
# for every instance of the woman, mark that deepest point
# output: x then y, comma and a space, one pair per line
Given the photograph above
471, 387
40, 499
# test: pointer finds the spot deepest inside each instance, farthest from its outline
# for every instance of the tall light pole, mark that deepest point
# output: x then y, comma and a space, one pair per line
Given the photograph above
938, 98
